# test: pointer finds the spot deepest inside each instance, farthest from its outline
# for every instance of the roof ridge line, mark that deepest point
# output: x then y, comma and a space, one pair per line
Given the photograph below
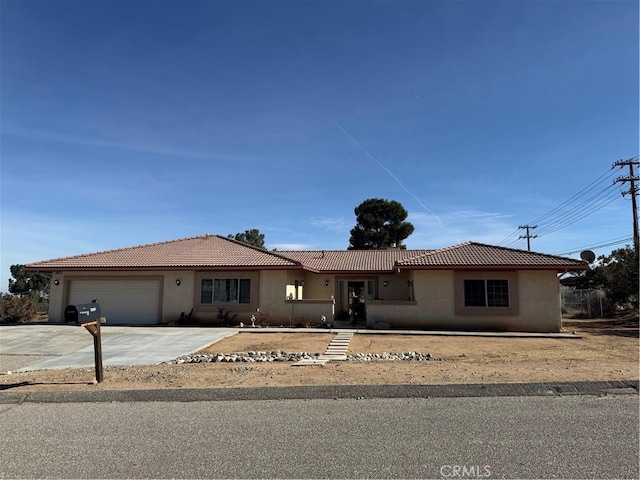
260, 249
521, 250
433, 252
361, 250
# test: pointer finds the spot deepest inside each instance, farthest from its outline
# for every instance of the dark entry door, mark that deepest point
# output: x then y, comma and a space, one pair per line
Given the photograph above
356, 301
353, 295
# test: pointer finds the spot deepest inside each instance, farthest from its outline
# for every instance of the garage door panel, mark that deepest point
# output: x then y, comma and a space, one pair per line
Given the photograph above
124, 302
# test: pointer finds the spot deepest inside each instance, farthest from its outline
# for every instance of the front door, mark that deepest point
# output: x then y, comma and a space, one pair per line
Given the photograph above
353, 296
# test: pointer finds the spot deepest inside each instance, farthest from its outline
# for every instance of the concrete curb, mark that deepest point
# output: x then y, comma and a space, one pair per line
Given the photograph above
327, 392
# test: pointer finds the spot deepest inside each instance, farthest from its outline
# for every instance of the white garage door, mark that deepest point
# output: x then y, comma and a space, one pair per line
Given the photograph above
123, 302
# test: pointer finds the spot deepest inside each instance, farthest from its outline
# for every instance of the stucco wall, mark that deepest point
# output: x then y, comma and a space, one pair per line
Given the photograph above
540, 300
272, 291
396, 288
177, 299
537, 302
56, 296
315, 303
535, 296
314, 287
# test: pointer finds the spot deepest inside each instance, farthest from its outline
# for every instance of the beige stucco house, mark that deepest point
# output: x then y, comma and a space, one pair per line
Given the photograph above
470, 286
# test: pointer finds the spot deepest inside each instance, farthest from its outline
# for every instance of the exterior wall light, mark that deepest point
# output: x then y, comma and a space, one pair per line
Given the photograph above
326, 283
385, 283
178, 282
56, 282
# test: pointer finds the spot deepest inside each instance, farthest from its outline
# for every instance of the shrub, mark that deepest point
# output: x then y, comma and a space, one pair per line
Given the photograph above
226, 317
17, 309
263, 318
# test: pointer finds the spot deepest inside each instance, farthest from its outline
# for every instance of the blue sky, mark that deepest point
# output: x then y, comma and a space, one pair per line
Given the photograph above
124, 123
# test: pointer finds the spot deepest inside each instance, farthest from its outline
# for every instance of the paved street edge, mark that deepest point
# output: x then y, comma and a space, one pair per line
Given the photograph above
326, 392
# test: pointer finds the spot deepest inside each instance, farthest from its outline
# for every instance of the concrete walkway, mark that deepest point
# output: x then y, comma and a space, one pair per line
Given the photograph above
336, 351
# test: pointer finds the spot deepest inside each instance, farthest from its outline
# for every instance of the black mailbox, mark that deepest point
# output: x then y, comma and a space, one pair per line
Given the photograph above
82, 313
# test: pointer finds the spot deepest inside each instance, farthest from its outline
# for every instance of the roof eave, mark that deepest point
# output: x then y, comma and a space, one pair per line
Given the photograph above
158, 267
557, 268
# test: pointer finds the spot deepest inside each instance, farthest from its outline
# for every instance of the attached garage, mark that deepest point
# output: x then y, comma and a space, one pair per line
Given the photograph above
124, 301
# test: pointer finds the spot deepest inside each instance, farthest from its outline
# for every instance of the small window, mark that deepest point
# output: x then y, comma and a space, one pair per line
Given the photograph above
497, 293
245, 290
486, 293
206, 292
225, 290
474, 295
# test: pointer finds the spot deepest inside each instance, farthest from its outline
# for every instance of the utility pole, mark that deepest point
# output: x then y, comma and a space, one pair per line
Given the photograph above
633, 191
528, 236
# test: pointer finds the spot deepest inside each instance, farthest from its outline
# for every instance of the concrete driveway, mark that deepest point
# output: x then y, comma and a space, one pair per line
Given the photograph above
43, 347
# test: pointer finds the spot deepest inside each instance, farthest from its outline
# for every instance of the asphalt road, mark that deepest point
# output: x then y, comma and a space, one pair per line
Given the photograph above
486, 437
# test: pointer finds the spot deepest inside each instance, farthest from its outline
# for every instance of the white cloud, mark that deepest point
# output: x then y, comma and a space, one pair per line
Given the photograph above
336, 224
457, 227
130, 147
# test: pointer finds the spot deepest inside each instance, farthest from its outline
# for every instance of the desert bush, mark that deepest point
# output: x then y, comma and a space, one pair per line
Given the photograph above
226, 317
17, 309
263, 318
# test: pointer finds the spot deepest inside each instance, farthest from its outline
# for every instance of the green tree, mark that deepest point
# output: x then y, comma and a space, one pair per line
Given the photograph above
250, 237
380, 224
616, 274
28, 282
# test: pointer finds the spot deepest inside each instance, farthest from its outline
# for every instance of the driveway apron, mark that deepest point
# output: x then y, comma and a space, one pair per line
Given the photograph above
72, 346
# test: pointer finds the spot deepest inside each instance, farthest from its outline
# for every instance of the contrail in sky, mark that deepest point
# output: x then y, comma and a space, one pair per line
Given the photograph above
381, 165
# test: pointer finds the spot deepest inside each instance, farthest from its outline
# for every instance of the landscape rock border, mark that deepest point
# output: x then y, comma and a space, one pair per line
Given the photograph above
282, 356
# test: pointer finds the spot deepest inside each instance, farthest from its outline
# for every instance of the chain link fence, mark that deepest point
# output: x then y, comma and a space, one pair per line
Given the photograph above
584, 303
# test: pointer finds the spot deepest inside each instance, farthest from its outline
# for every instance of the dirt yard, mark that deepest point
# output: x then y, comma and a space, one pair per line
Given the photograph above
608, 350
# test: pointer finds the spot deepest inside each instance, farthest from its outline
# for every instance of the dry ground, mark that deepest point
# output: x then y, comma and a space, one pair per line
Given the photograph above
607, 351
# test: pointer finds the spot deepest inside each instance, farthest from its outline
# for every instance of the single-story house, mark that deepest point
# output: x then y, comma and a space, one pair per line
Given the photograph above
470, 286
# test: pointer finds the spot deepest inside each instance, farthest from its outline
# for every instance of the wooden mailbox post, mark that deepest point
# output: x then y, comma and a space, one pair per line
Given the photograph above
88, 316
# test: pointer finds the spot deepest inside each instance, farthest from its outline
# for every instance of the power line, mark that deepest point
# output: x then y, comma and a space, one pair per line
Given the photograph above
570, 211
587, 208
584, 191
609, 243
503, 243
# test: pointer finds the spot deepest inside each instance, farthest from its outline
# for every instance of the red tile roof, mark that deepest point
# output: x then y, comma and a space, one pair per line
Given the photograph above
351, 260
203, 251
473, 255
214, 251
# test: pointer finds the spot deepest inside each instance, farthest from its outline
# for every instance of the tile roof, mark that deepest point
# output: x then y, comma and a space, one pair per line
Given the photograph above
351, 260
471, 254
203, 251
215, 251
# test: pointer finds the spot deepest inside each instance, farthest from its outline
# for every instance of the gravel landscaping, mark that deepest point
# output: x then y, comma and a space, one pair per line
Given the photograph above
282, 356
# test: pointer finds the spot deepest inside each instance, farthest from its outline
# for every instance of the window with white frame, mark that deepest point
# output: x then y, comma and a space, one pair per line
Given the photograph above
225, 290
486, 293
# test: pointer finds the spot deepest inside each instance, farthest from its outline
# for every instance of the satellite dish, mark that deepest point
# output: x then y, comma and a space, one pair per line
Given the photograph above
588, 256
